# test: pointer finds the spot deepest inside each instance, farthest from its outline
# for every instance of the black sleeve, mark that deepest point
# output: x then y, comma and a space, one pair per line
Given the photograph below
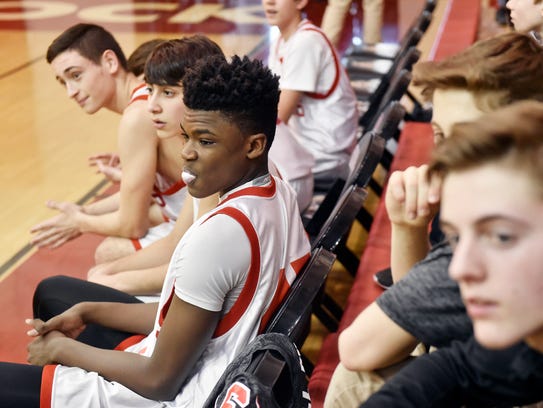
465, 374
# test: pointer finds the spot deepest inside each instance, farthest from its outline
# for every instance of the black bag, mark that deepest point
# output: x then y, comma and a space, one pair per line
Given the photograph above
269, 374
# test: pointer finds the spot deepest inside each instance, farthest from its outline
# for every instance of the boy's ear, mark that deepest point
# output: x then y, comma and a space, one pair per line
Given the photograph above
110, 61
257, 145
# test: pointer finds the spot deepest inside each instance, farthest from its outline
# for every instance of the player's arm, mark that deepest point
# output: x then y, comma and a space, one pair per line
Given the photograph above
288, 104
187, 327
374, 341
103, 206
137, 148
185, 332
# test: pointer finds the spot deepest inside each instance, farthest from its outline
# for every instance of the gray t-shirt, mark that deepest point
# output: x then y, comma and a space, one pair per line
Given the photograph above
427, 303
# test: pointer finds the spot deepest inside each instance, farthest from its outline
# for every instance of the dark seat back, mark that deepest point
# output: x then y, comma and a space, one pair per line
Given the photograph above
394, 92
293, 317
340, 220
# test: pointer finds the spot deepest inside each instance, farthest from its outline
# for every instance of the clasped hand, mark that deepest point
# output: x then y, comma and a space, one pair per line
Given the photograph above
68, 324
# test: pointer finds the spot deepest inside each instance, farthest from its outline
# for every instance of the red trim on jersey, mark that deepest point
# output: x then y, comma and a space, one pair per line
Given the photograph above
283, 287
298, 264
129, 341
338, 66
316, 95
136, 243
46, 390
165, 308
174, 188
158, 195
141, 97
259, 191
241, 304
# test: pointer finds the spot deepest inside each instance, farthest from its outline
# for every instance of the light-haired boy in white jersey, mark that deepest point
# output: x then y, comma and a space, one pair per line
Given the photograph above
221, 287
87, 60
108, 163
317, 101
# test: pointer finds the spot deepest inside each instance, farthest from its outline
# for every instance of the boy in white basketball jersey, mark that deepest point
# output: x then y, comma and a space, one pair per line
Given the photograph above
221, 287
87, 60
317, 101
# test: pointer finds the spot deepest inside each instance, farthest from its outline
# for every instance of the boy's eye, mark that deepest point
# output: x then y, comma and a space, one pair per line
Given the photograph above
499, 238
452, 238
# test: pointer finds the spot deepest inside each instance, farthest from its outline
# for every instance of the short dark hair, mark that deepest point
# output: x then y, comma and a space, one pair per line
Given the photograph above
169, 61
243, 90
136, 60
89, 40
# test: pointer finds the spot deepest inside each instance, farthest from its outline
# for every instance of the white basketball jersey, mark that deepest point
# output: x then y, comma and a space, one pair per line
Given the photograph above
266, 212
326, 120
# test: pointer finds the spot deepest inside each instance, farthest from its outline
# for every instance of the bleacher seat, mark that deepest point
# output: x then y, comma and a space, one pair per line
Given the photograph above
395, 91
388, 125
391, 50
366, 157
340, 220
373, 90
333, 236
293, 317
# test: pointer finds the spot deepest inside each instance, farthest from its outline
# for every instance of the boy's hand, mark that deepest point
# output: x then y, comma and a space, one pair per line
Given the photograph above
108, 159
39, 350
59, 229
109, 164
411, 200
70, 324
